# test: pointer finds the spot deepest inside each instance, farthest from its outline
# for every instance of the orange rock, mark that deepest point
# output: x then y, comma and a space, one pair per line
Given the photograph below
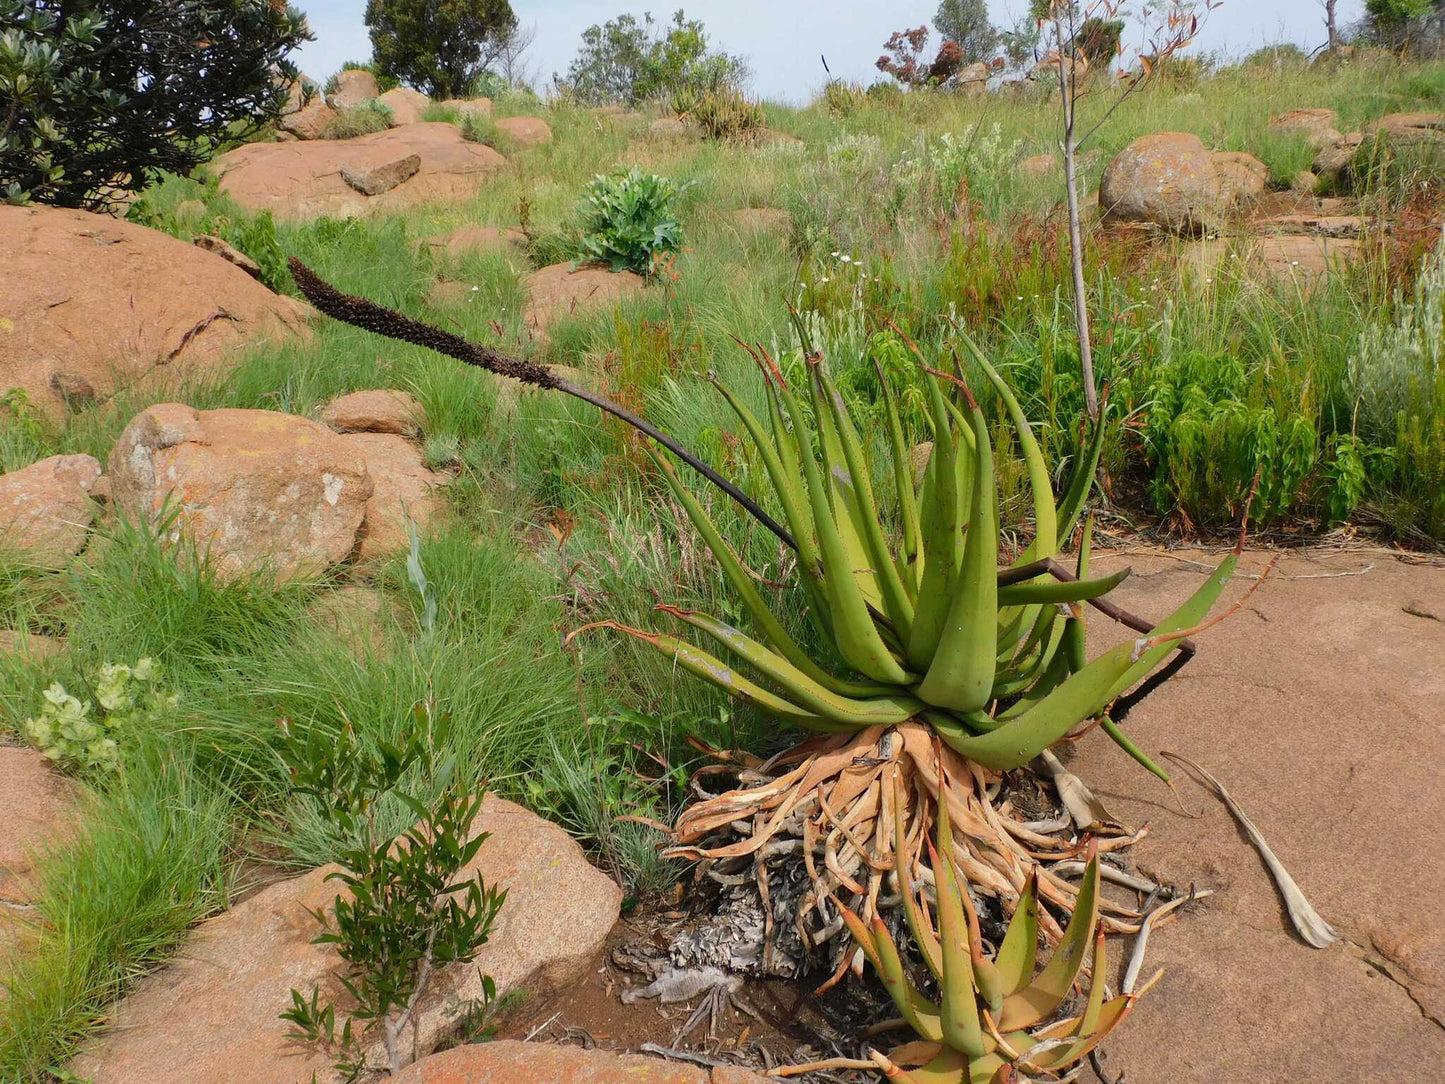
45, 508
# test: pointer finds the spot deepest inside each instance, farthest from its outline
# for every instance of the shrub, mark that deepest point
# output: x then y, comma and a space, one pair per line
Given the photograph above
358, 120
67, 731
726, 113
409, 906
438, 48
86, 120
628, 220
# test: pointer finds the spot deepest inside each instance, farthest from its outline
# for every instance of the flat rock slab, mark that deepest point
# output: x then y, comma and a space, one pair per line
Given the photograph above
303, 180
511, 1062
1318, 705
373, 180
211, 1014
465, 239
93, 304
525, 132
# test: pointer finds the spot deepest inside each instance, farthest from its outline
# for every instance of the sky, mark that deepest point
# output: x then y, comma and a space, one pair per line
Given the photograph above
782, 40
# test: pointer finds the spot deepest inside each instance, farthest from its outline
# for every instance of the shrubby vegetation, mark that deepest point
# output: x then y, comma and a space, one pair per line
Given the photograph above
82, 735
86, 119
627, 61
440, 49
358, 120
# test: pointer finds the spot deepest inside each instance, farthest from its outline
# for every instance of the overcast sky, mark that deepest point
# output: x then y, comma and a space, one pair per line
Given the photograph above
782, 39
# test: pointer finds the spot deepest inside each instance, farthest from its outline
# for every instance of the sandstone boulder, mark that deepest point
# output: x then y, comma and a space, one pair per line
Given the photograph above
211, 1013
91, 305
1305, 183
511, 1062
303, 180
210, 243
463, 106
973, 78
403, 488
375, 411
1316, 126
305, 117
558, 291
373, 180
459, 242
253, 488
1408, 128
1168, 179
1241, 176
525, 132
406, 105
1332, 160
354, 87
45, 508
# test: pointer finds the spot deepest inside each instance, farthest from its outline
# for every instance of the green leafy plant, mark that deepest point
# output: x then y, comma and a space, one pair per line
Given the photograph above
75, 735
629, 219
410, 905
359, 120
727, 113
253, 235
87, 118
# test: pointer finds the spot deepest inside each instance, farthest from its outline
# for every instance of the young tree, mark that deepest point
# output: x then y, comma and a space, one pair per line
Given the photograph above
1066, 23
966, 22
1334, 37
438, 46
97, 98
628, 61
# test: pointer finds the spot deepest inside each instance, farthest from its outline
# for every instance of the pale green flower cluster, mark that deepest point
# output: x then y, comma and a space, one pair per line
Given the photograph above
72, 732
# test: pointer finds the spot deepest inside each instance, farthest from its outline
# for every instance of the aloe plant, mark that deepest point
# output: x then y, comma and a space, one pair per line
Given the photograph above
923, 624
978, 1030
954, 669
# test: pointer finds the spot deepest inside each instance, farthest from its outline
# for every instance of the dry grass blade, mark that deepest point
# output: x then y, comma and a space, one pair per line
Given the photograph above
1307, 921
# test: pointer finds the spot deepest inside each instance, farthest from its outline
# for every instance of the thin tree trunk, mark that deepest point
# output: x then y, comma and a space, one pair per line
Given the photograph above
1068, 76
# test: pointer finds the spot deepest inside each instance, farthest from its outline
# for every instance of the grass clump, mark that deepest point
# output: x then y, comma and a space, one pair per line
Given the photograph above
359, 120
726, 113
480, 127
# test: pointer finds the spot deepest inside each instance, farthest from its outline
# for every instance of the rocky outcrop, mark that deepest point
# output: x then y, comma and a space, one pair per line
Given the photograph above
36, 807
92, 304
1241, 176
1408, 129
354, 87
511, 1062
252, 488
46, 510
406, 105
525, 132
375, 411
1315, 126
403, 489
464, 106
307, 112
30, 645
560, 290
216, 246
211, 1014
303, 180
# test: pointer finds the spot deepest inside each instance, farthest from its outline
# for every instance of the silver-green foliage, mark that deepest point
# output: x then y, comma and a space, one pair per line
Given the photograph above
74, 733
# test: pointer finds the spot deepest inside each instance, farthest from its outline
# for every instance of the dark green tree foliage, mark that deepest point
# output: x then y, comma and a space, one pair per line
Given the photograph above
625, 60
98, 96
1099, 38
438, 46
966, 23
